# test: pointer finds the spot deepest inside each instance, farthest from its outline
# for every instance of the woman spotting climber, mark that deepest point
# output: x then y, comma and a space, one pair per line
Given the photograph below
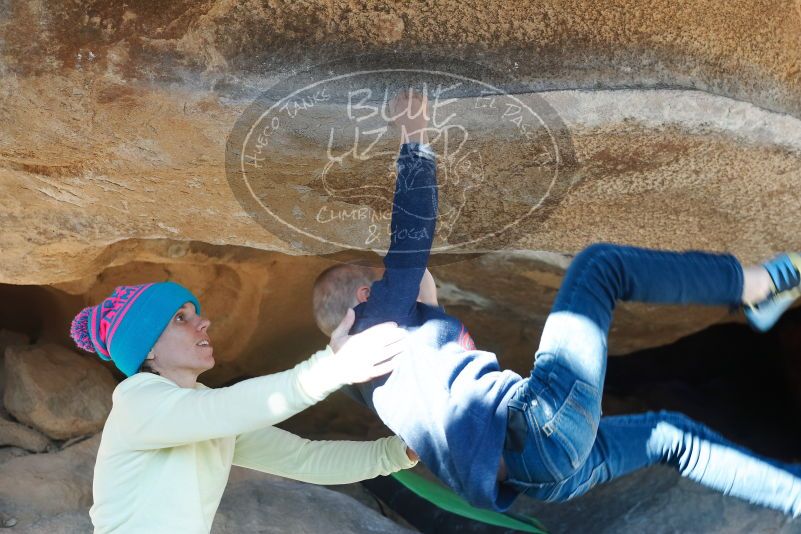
169, 441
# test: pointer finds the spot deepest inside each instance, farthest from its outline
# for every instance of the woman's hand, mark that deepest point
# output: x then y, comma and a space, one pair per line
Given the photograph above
367, 355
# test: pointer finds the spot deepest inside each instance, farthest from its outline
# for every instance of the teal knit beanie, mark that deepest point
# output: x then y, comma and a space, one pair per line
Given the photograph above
125, 326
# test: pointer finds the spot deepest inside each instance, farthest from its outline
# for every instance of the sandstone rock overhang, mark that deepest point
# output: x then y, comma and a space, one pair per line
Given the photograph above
683, 119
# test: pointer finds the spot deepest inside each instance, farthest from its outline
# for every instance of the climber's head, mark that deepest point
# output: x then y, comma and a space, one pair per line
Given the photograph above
339, 288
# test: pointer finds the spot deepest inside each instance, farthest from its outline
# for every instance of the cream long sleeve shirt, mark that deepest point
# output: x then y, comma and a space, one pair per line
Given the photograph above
166, 451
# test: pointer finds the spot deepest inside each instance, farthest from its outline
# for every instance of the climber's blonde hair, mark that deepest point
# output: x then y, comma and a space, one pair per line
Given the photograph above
335, 292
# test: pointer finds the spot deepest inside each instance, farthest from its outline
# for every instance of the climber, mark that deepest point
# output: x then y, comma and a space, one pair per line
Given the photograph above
169, 442
492, 435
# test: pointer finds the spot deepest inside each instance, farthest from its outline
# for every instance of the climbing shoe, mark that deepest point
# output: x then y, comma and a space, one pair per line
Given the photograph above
785, 271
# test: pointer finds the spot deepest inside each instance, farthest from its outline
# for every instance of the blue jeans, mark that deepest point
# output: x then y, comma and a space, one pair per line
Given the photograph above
558, 446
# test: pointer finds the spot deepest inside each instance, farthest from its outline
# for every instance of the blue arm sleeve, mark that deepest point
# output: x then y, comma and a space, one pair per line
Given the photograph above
414, 219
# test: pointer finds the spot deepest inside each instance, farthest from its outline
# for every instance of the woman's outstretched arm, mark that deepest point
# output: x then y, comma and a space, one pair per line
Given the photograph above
154, 412
282, 453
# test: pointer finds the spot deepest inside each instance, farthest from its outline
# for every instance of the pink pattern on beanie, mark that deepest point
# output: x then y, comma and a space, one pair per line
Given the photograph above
93, 328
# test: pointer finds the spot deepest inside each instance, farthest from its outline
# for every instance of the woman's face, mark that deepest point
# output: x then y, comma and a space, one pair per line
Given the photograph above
185, 344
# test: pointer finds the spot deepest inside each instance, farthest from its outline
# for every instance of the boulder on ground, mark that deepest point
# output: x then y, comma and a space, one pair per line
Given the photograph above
656, 500
7, 453
271, 504
36, 486
17, 435
57, 391
66, 523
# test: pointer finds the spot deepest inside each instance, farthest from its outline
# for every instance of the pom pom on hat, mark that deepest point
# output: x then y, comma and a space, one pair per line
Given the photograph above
79, 331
